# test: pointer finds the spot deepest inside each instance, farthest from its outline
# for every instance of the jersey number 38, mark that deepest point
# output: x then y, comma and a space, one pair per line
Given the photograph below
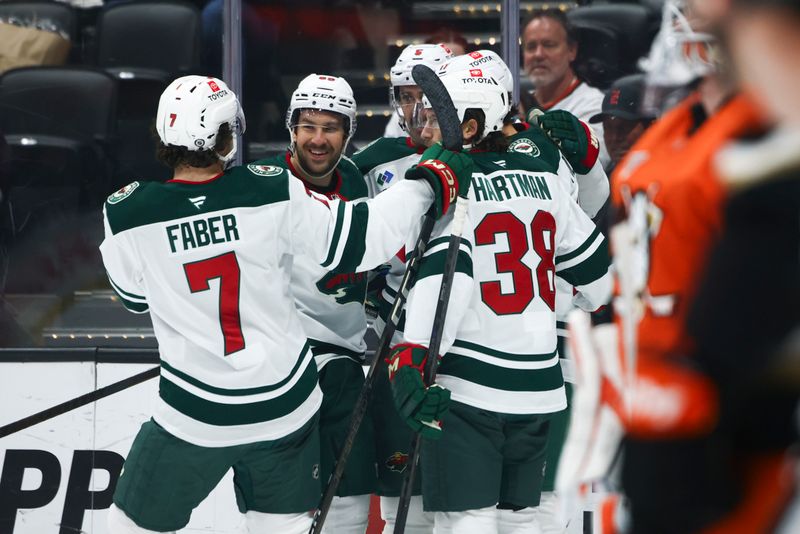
541, 239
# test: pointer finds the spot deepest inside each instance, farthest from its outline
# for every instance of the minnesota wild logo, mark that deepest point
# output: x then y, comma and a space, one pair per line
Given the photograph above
123, 193
345, 287
265, 170
525, 146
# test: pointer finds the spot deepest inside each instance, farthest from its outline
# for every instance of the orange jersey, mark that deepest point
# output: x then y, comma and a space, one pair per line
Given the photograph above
668, 178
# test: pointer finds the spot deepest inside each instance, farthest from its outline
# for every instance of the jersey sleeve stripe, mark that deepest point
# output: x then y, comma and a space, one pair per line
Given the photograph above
434, 264
210, 391
467, 347
503, 378
589, 247
126, 294
337, 233
589, 269
590, 241
217, 413
134, 306
445, 240
354, 245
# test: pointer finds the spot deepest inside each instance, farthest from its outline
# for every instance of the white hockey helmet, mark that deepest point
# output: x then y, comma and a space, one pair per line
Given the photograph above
191, 110
472, 89
488, 61
325, 93
431, 55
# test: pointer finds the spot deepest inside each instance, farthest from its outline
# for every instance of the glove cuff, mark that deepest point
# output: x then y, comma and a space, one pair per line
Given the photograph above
403, 355
592, 147
447, 180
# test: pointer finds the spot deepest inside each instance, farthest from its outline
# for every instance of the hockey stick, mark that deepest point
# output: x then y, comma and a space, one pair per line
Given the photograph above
445, 111
451, 139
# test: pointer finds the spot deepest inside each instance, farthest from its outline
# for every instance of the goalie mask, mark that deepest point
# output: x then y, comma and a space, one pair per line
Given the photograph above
680, 54
191, 110
430, 55
473, 89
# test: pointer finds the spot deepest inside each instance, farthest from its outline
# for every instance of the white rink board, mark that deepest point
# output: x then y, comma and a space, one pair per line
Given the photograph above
67, 441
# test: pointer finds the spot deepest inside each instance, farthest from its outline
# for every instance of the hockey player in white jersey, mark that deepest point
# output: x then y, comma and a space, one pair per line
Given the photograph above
209, 255
321, 119
383, 163
404, 93
482, 468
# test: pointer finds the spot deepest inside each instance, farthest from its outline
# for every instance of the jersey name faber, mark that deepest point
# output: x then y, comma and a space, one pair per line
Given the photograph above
202, 232
501, 186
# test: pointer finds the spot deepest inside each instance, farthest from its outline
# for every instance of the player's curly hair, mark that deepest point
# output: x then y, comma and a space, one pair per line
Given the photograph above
177, 156
494, 141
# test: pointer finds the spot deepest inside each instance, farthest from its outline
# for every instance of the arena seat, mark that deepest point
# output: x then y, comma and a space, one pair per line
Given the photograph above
631, 27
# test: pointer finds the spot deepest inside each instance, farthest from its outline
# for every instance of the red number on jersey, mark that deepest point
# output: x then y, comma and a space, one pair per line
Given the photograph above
543, 234
172, 117
226, 268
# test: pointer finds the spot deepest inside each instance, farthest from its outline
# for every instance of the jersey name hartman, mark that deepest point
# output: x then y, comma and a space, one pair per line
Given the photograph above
505, 186
202, 232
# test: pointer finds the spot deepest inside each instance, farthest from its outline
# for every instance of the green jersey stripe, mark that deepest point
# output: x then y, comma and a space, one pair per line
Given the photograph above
239, 392
581, 249
320, 347
223, 414
355, 244
590, 269
127, 295
435, 263
446, 241
458, 343
501, 378
337, 232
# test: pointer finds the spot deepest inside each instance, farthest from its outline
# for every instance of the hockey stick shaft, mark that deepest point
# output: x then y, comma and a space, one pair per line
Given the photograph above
360, 409
437, 332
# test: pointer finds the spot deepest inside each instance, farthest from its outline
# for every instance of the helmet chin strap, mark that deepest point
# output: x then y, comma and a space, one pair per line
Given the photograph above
226, 159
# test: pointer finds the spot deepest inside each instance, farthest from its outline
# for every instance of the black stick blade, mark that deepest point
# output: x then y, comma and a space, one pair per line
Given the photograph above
442, 104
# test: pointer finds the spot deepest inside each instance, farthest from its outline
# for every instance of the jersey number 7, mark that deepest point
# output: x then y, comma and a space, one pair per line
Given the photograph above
542, 241
226, 268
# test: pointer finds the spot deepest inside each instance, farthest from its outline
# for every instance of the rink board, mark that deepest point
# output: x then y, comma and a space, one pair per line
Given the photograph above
58, 474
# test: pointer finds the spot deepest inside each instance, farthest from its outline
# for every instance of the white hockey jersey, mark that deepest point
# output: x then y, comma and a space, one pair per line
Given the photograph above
331, 304
212, 263
499, 344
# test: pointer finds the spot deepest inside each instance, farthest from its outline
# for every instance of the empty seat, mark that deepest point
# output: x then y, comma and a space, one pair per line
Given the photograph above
633, 25
58, 123
149, 39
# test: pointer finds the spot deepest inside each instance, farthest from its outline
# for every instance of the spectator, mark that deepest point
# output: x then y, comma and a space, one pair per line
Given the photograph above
549, 47
622, 117
453, 40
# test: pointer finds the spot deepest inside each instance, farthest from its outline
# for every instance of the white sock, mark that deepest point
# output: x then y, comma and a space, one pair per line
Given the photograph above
417, 522
481, 521
518, 522
261, 523
347, 515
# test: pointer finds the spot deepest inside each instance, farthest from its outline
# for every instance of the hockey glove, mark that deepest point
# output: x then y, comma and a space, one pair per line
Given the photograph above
575, 139
447, 172
422, 408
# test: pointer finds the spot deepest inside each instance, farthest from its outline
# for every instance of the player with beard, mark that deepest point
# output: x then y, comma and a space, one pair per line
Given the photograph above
321, 120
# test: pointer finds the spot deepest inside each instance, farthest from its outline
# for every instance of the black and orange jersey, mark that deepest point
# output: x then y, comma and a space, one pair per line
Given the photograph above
668, 179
